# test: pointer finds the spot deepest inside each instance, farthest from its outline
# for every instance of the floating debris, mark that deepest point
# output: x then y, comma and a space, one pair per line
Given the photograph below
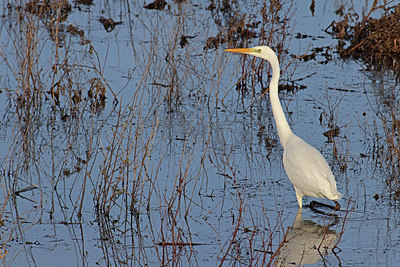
157, 5
109, 24
332, 133
84, 2
73, 30
41, 8
184, 40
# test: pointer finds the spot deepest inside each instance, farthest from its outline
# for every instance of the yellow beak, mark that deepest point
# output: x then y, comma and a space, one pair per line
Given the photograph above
239, 50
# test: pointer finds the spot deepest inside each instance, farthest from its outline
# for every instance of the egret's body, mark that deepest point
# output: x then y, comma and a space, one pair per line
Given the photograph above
305, 166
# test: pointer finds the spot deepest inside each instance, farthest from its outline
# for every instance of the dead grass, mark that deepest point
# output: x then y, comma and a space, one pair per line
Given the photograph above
130, 183
6, 235
147, 181
385, 140
275, 35
46, 87
373, 40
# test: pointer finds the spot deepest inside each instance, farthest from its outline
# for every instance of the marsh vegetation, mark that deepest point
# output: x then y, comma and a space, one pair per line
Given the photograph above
129, 137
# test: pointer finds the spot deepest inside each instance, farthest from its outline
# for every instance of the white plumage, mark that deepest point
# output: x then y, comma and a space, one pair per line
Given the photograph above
305, 166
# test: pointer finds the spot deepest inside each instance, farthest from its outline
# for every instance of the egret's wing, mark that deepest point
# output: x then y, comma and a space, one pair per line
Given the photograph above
308, 170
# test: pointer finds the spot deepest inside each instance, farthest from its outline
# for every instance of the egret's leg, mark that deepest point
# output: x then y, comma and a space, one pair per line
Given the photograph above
299, 199
314, 209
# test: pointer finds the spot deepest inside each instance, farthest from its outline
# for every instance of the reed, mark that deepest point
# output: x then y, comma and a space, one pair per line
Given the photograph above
385, 139
139, 169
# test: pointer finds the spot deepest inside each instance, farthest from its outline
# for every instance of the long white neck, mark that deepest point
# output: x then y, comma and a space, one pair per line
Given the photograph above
282, 125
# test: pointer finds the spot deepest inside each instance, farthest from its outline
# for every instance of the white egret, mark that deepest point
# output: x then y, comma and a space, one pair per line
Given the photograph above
305, 166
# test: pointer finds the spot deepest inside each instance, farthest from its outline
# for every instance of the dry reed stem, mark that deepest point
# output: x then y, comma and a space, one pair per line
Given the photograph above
129, 176
40, 64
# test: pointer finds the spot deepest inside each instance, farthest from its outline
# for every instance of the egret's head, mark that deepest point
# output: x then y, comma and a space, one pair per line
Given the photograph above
258, 51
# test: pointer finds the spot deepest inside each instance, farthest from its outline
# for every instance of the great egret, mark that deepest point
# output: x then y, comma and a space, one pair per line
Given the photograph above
305, 166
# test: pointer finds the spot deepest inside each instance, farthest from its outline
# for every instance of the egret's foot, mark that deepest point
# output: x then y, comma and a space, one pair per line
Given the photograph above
337, 207
313, 205
314, 209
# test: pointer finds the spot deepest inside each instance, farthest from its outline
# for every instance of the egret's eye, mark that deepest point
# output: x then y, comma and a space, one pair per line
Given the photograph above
255, 50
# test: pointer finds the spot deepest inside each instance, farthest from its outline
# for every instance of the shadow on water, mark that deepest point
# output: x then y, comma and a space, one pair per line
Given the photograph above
306, 242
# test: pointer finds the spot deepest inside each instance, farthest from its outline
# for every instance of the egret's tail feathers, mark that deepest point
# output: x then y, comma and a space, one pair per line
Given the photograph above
338, 195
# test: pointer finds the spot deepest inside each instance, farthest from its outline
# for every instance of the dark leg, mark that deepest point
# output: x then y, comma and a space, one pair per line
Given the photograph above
314, 203
337, 207
314, 209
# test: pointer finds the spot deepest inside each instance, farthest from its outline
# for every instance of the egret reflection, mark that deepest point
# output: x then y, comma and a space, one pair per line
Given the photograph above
306, 243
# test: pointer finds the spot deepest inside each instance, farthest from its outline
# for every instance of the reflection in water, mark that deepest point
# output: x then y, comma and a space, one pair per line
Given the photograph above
305, 243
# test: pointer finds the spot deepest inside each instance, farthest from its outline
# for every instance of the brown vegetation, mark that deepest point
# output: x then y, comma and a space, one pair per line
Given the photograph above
374, 40
76, 158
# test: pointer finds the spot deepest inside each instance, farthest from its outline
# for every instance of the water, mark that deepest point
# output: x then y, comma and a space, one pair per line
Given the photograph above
178, 167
